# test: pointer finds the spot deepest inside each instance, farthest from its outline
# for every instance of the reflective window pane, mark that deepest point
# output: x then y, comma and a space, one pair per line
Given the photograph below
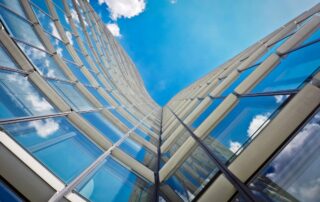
194, 173
20, 28
44, 62
140, 153
103, 125
121, 118
57, 144
99, 97
7, 193
122, 184
243, 75
242, 124
60, 47
78, 73
293, 175
71, 95
5, 58
293, 70
215, 103
46, 22
14, 5
20, 98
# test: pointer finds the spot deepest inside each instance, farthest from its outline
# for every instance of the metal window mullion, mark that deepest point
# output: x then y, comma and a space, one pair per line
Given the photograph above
60, 194
156, 174
32, 118
234, 180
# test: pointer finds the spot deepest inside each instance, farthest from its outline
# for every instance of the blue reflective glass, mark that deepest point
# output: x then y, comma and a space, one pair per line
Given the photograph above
122, 184
20, 98
20, 28
5, 58
293, 174
140, 153
103, 125
216, 102
57, 144
83, 59
242, 124
97, 95
121, 118
293, 70
41, 4
177, 186
43, 62
142, 134
7, 194
314, 36
271, 50
14, 5
243, 75
60, 47
46, 22
78, 73
196, 171
62, 17
71, 95
177, 143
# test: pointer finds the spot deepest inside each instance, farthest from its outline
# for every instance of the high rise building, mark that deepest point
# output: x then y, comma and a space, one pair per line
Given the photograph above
77, 123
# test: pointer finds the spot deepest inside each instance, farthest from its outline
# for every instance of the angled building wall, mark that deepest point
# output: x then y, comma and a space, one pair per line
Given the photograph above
77, 123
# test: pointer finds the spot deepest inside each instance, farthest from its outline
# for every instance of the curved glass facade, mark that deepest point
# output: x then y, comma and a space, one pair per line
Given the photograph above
77, 123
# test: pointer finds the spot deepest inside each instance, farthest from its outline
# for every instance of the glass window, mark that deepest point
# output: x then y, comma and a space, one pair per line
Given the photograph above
140, 153
103, 125
271, 50
57, 144
181, 138
60, 47
195, 173
242, 124
41, 4
293, 70
46, 22
20, 98
15, 6
121, 118
215, 103
293, 175
62, 17
8, 194
83, 59
243, 75
44, 62
314, 36
71, 95
20, 28
78, 73
142, 134
99, 97
122, 183
5, 58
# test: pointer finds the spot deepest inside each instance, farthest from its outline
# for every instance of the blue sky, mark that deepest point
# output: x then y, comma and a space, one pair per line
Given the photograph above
175, 42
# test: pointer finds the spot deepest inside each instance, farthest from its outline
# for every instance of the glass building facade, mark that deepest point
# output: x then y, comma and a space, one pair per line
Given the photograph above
77, 124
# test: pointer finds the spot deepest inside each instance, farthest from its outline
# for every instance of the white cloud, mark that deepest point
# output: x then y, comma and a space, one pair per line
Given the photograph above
114, 29
256, 124
39, 104
235, 146
45, 128
124, 8
280, 98
173, 1
54, 30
